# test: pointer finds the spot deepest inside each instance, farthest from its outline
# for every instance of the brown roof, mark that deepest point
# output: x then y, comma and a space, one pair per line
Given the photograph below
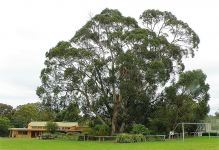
25, 129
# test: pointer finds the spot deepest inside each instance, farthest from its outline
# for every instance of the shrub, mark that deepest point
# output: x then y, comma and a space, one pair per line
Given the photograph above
139, 129
72, 136
58, 135
211, 134
61, 136
129, 138
86, 130
101, 130
138, 138
47, 136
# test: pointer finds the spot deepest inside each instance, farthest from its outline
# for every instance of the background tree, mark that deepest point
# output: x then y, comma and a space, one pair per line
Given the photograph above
44, 113
6, 113
184, 101
4, 125
217, 115
51, 127
70, 113
116, 69
24, 114
6, 110
213, 119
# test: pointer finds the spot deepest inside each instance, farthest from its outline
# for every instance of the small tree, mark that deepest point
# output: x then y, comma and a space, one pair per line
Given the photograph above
139, 129
101, 130
51, 127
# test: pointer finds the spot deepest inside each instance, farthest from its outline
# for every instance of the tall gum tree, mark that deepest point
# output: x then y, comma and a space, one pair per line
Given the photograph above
112, 66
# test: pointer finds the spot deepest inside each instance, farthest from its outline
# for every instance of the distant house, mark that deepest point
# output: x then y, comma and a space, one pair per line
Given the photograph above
36, 129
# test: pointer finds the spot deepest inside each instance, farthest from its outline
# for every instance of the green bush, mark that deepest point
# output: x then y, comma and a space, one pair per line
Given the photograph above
139, 129
58, 135
138, 138
211, 134
100, 130
47, 136
62, 136
72, 136
154, 138
129, 138
86, 130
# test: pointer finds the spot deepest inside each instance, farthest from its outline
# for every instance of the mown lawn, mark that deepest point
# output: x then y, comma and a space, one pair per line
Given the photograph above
202, 143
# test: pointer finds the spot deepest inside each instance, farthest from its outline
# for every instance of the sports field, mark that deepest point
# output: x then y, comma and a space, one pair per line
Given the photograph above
202, 143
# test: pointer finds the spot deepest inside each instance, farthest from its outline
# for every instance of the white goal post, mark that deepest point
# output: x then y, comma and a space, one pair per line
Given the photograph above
207, 127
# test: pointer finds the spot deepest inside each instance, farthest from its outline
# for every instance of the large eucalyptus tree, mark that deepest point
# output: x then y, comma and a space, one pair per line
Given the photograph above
115, 68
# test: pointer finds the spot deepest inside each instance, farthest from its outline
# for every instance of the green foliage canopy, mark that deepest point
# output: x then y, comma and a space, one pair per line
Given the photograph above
116, 68
4, 125
184, 101
24, 114
6, 110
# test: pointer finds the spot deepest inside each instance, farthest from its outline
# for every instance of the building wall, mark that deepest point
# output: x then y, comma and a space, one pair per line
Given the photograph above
25, 134
20, 134
36, 129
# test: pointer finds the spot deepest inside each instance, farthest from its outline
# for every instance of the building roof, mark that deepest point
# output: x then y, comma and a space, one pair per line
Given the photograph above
25, 129
18, 129
60, 124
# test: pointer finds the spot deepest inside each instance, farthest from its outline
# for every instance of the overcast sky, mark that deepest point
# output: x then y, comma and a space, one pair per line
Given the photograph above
29, 28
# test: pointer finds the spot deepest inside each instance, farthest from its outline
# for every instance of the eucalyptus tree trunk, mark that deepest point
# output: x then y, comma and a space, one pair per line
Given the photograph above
117, 104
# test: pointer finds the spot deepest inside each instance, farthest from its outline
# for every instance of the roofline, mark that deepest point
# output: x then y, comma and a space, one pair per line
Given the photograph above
55, 122
26, 129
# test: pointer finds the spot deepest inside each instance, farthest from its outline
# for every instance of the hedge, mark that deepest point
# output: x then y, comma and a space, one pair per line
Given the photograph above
211, 134
129, 138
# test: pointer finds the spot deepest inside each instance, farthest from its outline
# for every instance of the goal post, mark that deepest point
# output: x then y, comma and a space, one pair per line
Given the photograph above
207, 127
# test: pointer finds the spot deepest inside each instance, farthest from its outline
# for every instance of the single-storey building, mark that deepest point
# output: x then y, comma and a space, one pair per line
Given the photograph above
36, 129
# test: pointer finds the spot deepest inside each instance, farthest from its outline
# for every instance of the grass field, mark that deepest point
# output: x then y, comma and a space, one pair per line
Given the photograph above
202, 143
